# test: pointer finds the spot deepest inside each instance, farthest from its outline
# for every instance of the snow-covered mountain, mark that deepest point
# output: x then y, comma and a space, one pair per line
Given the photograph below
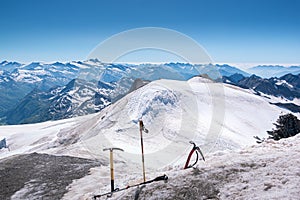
77, 98
58, 74
22, 85
166, 103
174, 112
283, 91
268, 71
28, 90
20, 80
9, 66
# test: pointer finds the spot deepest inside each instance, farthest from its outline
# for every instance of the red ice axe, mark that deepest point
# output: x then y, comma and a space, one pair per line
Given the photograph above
194, 149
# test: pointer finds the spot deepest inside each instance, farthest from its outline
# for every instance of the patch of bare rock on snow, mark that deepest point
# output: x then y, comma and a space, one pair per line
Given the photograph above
40, 176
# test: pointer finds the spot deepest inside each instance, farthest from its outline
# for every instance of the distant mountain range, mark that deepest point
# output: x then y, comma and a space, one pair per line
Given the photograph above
39, 91
77, 98
268, 71
286, 87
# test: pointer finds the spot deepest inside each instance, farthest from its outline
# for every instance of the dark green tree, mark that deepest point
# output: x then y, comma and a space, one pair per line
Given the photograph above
286, 126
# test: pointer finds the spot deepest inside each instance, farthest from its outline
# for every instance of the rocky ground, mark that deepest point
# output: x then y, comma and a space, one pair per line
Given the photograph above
40, 176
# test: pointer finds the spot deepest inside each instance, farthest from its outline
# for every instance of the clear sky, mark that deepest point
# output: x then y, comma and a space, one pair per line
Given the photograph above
233, 31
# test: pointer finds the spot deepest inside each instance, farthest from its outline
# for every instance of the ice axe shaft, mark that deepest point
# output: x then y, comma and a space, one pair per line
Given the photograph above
111, 160
142, 128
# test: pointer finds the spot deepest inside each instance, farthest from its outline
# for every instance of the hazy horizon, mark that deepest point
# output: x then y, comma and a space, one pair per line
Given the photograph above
243, 66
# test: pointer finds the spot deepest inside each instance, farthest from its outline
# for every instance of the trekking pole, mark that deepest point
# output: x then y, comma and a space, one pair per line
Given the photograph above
112, 184
142, 128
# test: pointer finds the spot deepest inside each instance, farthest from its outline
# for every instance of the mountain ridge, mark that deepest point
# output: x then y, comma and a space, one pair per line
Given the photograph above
110, 83
115, 78
269, 71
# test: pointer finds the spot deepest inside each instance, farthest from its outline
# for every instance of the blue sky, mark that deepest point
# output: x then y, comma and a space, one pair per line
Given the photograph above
232, 31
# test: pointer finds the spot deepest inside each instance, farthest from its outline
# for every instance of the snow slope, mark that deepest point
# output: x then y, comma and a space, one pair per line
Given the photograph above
39, 137
174, 112
264, 171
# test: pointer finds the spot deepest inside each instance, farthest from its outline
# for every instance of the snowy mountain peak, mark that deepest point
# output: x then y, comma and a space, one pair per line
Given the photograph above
9, 66
200, 79
4, 62
94, 60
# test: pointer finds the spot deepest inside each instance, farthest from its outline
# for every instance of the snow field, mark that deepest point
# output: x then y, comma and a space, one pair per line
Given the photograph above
174, 112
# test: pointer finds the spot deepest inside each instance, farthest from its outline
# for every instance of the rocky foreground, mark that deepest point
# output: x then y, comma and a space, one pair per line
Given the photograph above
40, 176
